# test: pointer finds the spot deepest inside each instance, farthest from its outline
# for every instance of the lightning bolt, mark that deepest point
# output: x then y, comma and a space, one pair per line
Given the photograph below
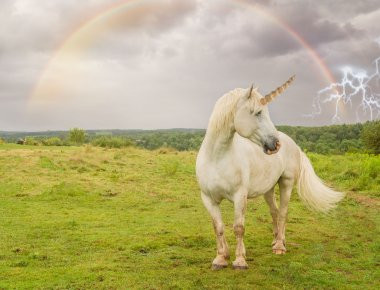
355, 85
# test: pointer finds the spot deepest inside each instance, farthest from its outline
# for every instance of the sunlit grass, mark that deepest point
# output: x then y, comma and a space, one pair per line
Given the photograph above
87, 217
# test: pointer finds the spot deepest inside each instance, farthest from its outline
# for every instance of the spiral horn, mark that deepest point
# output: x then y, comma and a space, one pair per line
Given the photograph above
269, 97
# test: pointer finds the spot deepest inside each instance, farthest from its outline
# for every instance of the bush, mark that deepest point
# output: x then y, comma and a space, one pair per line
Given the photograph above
52, 141
77, 136
371, 136
166, 150
370, 172
31, 141
2, 141
112, 142
171, 167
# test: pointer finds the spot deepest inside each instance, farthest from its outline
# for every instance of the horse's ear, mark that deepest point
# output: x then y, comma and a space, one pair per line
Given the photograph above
248, 94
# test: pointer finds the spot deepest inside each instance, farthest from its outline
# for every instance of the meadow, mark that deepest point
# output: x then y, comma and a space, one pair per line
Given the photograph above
84, 217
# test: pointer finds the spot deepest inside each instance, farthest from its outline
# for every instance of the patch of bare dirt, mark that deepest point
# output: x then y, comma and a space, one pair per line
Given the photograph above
365, 200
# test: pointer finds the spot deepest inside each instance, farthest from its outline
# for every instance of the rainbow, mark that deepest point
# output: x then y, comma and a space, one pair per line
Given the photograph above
57, 72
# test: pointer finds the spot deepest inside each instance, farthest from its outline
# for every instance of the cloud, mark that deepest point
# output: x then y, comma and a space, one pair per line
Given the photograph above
164, 63
273, 39
343, 10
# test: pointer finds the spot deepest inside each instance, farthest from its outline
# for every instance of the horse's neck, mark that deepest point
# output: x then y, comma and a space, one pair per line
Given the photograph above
218, 143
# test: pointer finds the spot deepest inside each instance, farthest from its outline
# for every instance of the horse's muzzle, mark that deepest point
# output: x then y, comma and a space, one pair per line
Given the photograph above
272, 147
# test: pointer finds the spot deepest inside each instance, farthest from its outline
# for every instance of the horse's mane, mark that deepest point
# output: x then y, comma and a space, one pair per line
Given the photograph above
224, 110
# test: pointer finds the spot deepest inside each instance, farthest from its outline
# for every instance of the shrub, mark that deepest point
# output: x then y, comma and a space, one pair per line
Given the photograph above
171, 167
371, 136
166, 150
2, 141
77, 136
112, 142
31, 141
53, 141
370, 173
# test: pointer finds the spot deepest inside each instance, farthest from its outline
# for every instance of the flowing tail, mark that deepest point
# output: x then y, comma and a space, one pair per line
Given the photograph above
313, 191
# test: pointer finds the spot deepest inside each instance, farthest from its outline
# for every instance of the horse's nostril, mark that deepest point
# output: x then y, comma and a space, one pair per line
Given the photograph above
272, 146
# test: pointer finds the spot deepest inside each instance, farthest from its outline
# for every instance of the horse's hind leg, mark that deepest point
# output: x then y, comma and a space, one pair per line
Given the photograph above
286, 186
271, 201
222, 253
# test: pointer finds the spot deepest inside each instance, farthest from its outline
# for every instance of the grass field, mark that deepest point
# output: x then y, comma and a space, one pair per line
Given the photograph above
85, 217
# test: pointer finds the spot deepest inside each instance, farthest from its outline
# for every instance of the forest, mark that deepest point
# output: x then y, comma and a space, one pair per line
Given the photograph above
335, 139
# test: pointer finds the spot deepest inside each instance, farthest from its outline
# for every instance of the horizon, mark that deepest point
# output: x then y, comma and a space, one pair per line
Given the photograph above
166, 129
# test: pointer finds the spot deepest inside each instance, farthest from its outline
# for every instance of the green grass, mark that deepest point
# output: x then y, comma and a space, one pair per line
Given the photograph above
86, 217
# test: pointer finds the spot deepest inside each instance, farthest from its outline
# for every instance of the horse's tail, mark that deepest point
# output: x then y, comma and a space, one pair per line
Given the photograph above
313, 191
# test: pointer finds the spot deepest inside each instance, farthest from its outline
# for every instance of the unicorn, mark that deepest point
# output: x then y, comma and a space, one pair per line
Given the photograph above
240, 158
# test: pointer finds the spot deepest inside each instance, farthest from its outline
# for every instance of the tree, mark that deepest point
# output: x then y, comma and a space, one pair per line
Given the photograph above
77, 136
31, 141
371, 136
52, 141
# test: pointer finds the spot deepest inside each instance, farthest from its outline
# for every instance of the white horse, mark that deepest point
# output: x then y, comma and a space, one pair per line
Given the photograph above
240, 159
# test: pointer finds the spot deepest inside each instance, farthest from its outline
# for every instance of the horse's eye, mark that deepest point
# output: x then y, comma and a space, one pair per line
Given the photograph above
258, 113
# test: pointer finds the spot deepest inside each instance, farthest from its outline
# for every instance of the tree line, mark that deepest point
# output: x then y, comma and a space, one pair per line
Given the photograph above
336, 139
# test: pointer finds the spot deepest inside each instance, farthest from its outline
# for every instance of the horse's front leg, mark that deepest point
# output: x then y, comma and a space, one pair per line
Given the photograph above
222, 253
286, 186
240, 205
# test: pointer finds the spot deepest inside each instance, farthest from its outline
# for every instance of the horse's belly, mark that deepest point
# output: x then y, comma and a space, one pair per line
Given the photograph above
261, 185
263, 178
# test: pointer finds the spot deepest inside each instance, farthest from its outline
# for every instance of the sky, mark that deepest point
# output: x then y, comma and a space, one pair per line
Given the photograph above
153, 64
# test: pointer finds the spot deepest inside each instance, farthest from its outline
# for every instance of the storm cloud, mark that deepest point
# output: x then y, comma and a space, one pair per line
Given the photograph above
164, 63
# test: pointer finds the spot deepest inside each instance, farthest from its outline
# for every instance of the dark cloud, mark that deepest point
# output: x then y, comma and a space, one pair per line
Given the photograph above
273, 39
163, 63
343, 9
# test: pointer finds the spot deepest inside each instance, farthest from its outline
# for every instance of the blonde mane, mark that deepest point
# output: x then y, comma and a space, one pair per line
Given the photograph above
224, 110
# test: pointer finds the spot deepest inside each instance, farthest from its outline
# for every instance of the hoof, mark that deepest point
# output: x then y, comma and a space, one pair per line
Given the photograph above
216, 267
240, 264
279, 251
219, 263
279, 247
239, 267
